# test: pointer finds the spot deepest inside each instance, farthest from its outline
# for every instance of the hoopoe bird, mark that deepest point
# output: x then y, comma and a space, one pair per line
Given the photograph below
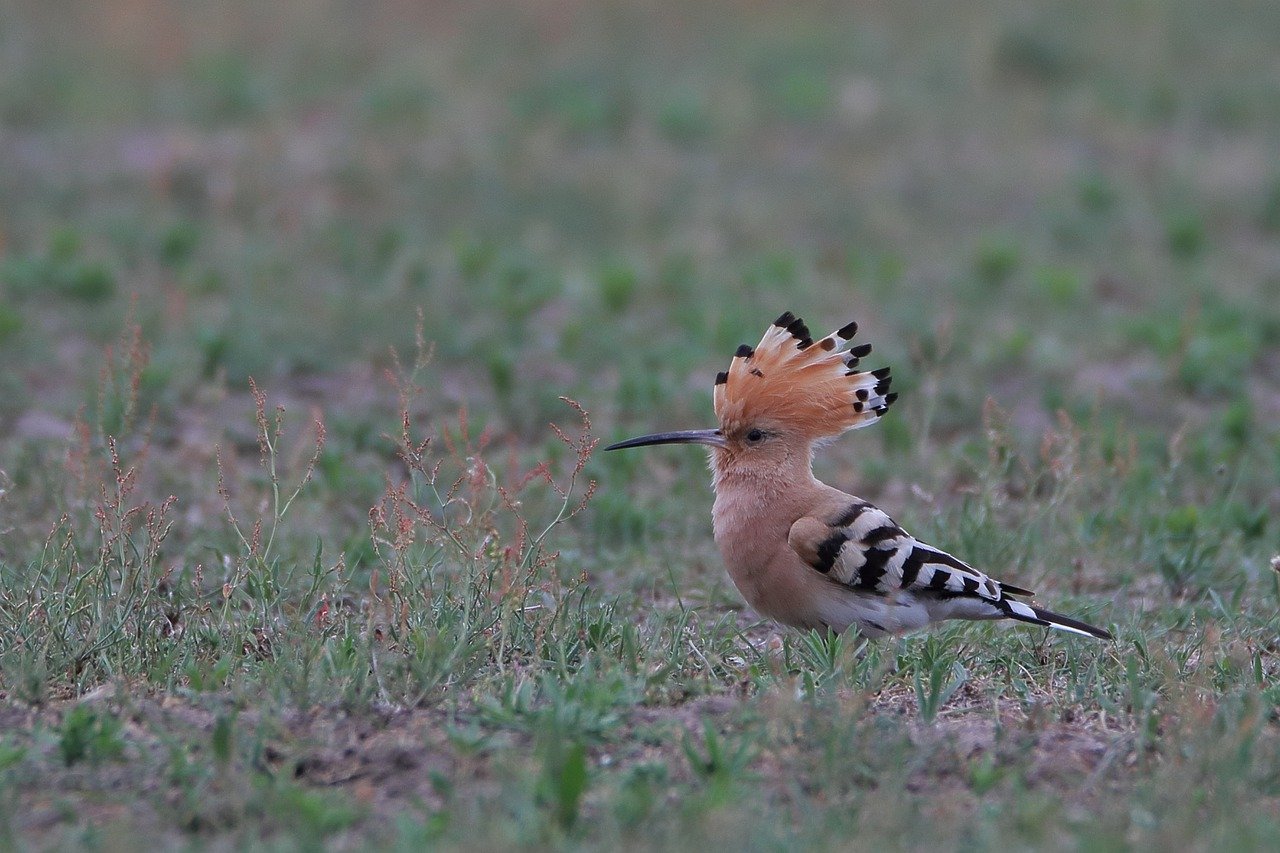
799, 551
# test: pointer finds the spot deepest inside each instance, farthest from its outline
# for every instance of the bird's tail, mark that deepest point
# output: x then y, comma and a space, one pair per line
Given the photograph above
1039, 616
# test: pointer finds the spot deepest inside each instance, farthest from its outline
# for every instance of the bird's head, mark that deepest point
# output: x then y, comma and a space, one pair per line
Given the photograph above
783, 394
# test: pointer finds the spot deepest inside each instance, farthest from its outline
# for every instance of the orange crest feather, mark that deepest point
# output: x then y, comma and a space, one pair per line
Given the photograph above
813, 387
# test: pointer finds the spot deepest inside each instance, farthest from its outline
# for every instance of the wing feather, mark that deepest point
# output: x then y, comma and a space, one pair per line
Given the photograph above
861, 547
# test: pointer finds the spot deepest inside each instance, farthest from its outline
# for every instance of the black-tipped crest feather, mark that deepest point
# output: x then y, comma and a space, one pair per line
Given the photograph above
815, 389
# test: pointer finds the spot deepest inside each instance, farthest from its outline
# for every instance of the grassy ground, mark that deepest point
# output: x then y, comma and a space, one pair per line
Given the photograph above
403, 609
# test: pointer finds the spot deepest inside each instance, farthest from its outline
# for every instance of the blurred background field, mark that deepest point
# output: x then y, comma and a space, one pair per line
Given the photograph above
1059, 223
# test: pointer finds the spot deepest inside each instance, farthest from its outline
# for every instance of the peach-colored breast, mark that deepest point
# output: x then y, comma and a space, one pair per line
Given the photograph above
751, 528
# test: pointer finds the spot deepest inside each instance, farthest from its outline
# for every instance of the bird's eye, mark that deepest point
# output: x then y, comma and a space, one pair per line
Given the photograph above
755, 436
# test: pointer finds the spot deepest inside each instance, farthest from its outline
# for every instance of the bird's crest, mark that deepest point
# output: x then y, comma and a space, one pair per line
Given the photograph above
812, 386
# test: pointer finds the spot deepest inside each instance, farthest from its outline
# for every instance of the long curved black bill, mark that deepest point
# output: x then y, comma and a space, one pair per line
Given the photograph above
712, 437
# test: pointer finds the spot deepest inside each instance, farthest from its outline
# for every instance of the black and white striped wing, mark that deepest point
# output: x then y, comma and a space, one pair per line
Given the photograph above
862, 548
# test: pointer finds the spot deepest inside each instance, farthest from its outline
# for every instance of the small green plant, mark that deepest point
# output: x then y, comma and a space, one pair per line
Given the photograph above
996, 260
718, 760
1185, 234
223, 740
89, 734
226, 86
1097, 193
640, 793
985, 773
799, 93
10, 321
1061, 285
62, 270
11, 754
564, 778
312, 815
179, 243
938, 675
618, 284
1185, 558
823, 655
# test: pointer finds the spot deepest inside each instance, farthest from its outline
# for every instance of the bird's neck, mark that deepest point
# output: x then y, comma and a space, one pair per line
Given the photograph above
754, 500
